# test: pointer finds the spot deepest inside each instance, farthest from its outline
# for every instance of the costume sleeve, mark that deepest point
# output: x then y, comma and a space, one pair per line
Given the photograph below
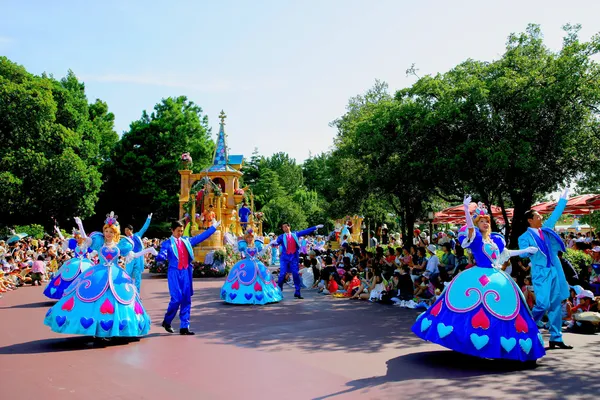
242, 246
125, 246
203, 236
141, 232
468, 241
97, 241
558, 211
523, 244
163, 254
306, 231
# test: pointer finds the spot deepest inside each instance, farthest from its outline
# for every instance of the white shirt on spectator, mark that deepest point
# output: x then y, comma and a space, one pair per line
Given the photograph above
432, 266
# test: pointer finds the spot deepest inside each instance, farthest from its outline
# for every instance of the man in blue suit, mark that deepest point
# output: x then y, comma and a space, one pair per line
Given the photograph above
179, 252
549, 282
135, 267
289, 256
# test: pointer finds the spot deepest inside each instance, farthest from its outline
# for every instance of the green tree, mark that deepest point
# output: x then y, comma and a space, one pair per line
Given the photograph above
289, 173
142, 174
521, 126
50, 148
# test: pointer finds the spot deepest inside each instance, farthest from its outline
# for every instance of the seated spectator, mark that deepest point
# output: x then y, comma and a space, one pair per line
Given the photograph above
353, 284
528, 292
38, 271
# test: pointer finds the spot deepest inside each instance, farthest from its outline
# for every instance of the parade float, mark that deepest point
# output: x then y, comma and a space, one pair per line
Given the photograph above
215, 193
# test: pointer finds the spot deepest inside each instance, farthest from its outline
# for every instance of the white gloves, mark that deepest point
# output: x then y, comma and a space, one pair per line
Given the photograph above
77, 220
565, 194
532, 250
466, 203
319, 226
467, 200
216, 224
149, 215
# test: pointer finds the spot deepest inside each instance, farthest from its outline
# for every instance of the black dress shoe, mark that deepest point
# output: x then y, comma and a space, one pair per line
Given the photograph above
560, 345
185, 331
167, 327
298, 296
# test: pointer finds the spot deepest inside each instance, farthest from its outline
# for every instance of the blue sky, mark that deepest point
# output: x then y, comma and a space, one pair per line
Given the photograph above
281, 70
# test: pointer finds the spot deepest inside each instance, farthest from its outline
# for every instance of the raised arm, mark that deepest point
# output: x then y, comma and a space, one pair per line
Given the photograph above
204, 235
80, 226
308, 231
468, 218
560, 208
141, 232
56, 228
139, 254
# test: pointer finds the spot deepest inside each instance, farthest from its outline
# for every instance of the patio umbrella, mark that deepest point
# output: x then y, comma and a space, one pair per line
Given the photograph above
16, 238
543, 208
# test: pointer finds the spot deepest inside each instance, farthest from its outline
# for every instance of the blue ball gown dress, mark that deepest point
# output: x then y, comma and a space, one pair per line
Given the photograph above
70, 270
249, 281
482, 312
102, 301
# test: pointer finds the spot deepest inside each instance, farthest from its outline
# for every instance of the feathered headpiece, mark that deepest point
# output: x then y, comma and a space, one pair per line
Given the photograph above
75, 231
480, 212
111, 219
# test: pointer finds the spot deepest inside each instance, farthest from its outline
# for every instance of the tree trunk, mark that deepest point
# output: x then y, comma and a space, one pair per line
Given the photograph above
522, 204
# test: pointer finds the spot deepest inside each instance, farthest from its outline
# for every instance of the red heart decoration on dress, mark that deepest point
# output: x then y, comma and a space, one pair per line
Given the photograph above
138, 308
236, 285
436, 309
68, 306
257, 287
107, 307
57, 281
521, 325
480, 320
109, 257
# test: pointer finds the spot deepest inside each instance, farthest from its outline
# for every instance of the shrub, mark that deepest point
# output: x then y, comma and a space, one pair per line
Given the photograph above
33, 230
578, 258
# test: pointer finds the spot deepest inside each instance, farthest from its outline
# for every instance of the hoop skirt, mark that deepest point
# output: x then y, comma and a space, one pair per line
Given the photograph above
482, 312
250, 282
102, 301
65, 275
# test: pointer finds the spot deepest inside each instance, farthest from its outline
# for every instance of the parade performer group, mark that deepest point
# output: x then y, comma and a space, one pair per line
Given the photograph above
482, 312
179, 253
289, 257
102, 301
250, 281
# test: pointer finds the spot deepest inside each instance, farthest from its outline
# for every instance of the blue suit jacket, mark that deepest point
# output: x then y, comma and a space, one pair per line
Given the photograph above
168, 250
281, 241
547, 256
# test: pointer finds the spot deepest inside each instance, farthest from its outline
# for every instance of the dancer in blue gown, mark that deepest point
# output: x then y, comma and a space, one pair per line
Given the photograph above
103, 301
482, 312
80, 245
249, 281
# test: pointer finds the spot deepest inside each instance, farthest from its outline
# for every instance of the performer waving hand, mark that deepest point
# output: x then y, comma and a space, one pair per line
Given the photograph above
482, 312
289, 257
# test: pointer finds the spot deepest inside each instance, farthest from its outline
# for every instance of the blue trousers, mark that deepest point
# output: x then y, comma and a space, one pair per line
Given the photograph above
181, 297
134, 270
547, 299
289, 263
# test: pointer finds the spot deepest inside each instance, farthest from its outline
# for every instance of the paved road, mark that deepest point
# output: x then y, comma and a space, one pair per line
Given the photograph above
318, 348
